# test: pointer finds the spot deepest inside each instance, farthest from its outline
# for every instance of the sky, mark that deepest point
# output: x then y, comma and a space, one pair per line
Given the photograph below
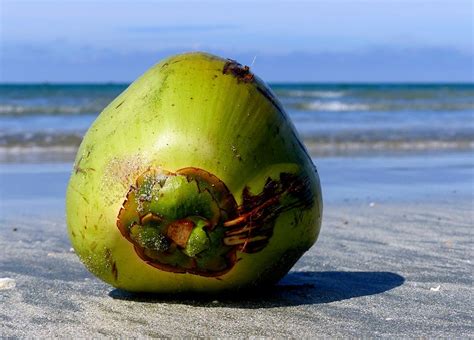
284, 41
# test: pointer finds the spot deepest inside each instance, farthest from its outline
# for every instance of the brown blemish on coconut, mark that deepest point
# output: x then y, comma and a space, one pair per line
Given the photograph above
77, 166
246, 228
110, 263
114, 270
78, 169
123, 101
79, 193
242, 73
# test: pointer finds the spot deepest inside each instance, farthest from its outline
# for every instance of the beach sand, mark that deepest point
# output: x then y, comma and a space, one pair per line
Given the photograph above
393, 259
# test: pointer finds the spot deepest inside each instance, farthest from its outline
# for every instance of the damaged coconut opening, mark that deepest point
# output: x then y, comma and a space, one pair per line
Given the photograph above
189, 222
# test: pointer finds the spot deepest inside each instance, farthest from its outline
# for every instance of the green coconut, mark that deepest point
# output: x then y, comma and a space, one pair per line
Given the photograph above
193, 180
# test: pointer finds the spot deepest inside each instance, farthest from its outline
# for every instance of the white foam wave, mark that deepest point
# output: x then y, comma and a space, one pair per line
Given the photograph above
335, 106
315, 94
20, 109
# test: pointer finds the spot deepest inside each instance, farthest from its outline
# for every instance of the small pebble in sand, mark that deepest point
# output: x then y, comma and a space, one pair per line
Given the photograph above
372, 204
7, 283
435, 289
15, 229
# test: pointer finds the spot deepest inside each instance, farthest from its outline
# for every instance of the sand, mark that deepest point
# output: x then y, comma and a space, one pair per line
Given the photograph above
386, 264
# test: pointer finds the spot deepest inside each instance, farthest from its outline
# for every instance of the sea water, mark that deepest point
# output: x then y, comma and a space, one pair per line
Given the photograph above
333, 119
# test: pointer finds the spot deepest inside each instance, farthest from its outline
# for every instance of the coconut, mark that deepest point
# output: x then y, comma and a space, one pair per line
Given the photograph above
193, 180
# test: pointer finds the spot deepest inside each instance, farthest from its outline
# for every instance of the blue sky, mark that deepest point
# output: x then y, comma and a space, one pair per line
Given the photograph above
313, 41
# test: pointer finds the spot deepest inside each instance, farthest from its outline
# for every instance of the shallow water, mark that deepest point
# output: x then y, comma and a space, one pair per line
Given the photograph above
40, 189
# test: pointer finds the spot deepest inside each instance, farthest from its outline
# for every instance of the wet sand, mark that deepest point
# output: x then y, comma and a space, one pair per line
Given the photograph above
393, 259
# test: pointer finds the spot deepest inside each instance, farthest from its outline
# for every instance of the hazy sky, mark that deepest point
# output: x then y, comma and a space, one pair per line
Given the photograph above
333, 40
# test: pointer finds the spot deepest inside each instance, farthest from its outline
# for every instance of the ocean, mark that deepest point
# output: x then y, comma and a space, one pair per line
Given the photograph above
48, 121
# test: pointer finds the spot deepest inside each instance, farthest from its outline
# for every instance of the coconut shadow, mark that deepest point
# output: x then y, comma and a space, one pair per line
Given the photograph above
295, 289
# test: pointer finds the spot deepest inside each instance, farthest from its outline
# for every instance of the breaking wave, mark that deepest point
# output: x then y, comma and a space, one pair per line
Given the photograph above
310, 93
48, 144
24, 110
342, 106
334, 106
40, 139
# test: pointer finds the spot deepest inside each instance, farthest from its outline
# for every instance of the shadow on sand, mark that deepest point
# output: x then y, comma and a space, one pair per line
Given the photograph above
296, 288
